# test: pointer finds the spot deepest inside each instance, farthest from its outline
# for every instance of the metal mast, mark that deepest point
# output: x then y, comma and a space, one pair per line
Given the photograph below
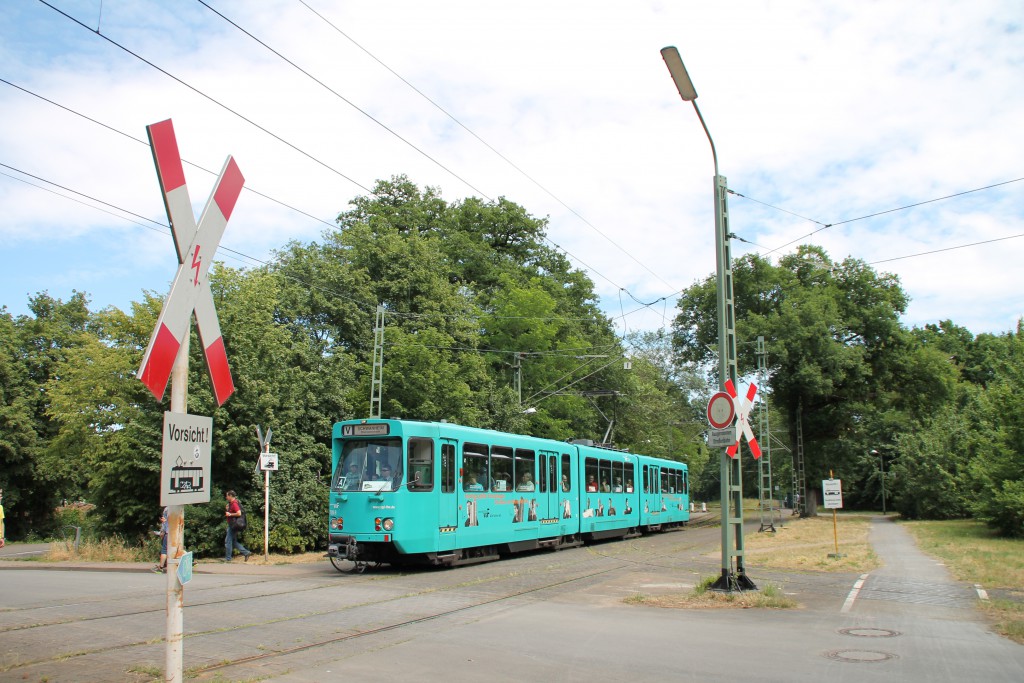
764, 463
377, 384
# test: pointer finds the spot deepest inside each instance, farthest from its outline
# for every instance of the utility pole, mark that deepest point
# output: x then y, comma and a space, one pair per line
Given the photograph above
764, 463
377, 380
734, 575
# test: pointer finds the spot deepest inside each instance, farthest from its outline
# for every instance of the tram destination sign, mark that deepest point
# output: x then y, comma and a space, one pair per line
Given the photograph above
365, 430
185, 466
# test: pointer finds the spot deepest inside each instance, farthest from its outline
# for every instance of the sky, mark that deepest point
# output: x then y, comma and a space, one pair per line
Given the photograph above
822, 114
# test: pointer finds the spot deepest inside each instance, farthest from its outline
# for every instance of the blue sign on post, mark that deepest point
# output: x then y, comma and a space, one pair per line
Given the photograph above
185, 568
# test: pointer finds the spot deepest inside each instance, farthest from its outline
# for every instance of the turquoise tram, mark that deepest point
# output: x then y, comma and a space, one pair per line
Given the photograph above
411, 492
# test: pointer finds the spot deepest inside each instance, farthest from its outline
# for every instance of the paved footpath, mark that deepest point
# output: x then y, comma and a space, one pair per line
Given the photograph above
907, 621
910, 621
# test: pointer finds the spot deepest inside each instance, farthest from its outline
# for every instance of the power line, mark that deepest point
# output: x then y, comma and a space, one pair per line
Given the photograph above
211, 99
432, 159
146, 144
936, 251
485, 144
348, 102
277, 137
825, 226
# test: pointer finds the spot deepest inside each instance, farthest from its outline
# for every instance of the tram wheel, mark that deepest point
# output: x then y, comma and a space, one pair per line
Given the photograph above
343, 566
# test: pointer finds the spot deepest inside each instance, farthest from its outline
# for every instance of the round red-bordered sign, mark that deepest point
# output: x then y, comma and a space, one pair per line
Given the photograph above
721, 410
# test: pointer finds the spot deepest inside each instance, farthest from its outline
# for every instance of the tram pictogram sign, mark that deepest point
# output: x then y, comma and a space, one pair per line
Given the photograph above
190, 291
743, 429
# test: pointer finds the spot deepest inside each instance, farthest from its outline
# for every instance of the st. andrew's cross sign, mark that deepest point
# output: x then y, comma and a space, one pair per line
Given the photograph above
743, 429
190, 291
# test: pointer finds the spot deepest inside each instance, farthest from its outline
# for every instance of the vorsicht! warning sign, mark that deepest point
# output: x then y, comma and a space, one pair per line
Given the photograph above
185, 469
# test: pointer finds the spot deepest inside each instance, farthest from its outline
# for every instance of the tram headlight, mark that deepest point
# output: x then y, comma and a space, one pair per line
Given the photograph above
388, 524
337, 524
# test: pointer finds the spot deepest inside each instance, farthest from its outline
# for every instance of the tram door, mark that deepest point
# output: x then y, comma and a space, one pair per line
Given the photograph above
654, 493
448, 503
549, 506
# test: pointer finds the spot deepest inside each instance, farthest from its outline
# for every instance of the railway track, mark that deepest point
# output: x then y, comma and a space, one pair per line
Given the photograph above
380, 601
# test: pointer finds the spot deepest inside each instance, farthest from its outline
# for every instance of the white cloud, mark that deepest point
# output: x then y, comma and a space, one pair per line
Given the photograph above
830, 110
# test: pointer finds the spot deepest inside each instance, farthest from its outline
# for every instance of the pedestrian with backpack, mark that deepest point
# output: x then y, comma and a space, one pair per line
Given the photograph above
236, 524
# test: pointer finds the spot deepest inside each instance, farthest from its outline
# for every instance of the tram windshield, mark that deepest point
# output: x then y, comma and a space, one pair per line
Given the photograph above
369, 465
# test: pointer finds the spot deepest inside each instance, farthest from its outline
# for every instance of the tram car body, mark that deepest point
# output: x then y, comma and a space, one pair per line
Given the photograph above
411, 492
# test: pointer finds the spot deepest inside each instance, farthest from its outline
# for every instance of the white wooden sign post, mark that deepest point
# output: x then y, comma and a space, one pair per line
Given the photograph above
268, 463
832, 495
188, 437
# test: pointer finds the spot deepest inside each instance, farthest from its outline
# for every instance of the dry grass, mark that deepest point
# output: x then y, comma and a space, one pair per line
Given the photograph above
805, 544
106, 550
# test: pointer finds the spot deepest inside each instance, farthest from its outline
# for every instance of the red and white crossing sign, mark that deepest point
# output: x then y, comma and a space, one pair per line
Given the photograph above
743, 407
196, 245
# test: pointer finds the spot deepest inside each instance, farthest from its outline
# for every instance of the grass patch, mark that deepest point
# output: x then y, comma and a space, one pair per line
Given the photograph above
805, 544
973, 553
702, 597
113, 549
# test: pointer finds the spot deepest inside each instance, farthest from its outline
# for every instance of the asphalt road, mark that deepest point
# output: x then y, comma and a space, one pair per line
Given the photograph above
545, 616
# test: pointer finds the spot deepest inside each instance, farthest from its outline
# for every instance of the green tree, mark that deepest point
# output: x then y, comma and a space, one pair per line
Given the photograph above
837, 354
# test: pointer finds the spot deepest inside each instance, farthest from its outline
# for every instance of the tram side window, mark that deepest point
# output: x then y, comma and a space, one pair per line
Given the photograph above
525, 465
421, 465
617, 477
606, 476
665, 488
475, 475
647, 483
679, 482
630, 475
591, 475
501, 468
686, 482
447, 467
566, 483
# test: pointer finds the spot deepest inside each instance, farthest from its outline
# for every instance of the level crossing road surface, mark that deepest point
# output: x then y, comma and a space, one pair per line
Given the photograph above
558, 616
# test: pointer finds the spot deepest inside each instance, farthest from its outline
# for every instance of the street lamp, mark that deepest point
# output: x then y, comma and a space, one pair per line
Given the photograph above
881, 469
732, 473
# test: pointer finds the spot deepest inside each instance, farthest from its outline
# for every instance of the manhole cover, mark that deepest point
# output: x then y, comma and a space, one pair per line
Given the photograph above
860, 656
869, 632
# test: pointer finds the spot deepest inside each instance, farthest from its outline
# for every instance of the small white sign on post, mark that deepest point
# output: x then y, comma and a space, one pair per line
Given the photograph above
185, 466
833, 493
268, 462
721, 438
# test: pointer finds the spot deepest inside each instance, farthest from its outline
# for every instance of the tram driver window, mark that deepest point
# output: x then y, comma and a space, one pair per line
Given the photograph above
421, 465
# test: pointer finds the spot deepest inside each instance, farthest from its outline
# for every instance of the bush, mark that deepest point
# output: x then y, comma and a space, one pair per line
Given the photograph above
1003, 508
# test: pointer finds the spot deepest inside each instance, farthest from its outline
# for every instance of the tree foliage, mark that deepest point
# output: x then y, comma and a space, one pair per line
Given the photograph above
483, 319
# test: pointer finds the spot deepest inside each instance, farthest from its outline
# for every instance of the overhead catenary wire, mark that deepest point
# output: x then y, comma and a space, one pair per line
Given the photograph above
486, 144
278, 137
826, 226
